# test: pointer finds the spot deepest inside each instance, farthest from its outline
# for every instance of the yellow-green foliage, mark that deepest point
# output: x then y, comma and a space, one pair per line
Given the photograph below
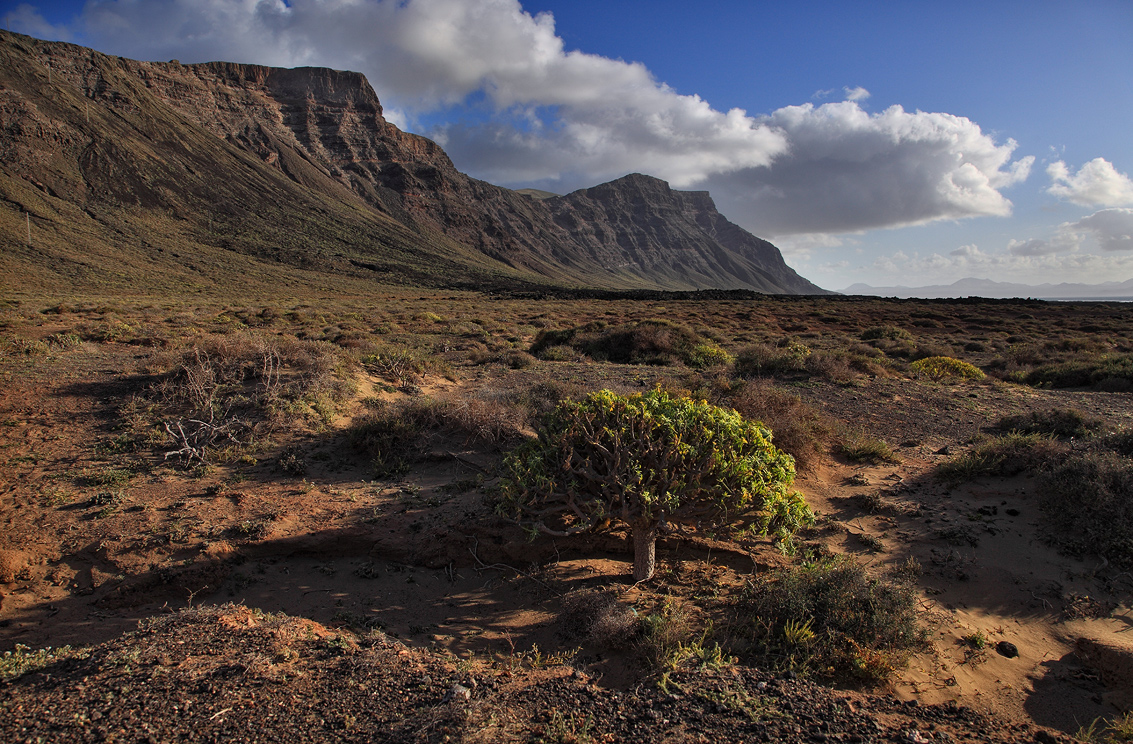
649, 456
942, 367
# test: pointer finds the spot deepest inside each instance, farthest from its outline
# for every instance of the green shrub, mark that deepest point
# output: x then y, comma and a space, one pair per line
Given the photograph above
832, 618
708, 354
647, 459
943, 368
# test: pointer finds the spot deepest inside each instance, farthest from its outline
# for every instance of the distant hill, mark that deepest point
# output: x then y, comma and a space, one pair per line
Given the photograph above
161, 175
988, 288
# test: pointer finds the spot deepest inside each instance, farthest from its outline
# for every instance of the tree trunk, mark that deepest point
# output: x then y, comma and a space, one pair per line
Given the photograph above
644, 550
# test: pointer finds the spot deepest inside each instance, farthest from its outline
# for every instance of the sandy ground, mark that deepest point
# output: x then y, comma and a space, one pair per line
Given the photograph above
423, 558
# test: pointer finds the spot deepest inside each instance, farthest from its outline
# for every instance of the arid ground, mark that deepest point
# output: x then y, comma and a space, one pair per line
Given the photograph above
296, 500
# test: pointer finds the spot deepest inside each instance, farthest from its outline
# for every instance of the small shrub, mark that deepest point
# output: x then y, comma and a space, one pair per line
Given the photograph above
647, 459
598, 617
1008, 455
857, 447
558, 353
1058, 422
708, 354
888, 333
1086, 501
860, 626
946, 368
1083, 372
764, 360
656, 342
800, 430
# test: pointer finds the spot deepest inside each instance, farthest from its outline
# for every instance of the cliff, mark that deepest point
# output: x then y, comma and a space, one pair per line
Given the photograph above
300, 166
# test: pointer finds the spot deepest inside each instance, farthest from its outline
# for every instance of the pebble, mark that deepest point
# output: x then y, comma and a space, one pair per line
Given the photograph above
457, 692
1008, 649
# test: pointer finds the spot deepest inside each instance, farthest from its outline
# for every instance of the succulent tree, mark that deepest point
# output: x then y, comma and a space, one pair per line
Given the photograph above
647, 459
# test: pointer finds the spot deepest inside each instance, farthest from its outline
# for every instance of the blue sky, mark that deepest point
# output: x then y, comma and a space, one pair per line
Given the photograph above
886, 142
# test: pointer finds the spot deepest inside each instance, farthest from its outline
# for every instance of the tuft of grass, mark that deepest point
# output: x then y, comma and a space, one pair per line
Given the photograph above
857, 447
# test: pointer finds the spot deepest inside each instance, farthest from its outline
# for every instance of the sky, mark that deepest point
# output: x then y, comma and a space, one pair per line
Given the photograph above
891, 143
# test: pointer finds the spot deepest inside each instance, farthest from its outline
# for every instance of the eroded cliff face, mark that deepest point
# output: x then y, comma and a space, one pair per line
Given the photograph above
324, 130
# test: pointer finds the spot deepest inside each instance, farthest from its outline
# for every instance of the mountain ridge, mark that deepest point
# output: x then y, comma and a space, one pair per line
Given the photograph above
304, 170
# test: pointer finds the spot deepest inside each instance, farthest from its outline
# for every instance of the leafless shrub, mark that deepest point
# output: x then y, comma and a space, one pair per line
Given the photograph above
597, 616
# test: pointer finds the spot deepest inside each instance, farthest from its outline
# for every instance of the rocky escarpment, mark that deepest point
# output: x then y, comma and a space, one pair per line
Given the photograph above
324, 131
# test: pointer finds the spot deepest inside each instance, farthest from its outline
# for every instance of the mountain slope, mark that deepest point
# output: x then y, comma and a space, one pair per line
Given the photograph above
186, 171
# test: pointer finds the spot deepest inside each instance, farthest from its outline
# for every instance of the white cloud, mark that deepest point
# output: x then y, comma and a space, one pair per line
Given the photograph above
554, 114
26, 19
1097, 183
1112, 228
848, 170
520, 109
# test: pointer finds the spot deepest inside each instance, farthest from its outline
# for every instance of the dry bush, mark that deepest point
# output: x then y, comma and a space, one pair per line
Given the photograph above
1086, 501
1008, 455
1059, 422
395, 435
833, 618
764, 360
596, 615
657, 342
799, 429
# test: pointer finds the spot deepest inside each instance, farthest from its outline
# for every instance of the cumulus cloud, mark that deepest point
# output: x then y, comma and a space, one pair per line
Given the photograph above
1096, 184
518, 108
848, 170
1112, 228
26, 19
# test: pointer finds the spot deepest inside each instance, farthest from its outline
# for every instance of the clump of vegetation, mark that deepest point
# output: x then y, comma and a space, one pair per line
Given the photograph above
832, 618
1101, 731
394, 435
858, 447
1058, 422
886, 333
24, 659
764, 360
1086, 500
1111, 371
800, 430
648, 459
1010, 454
657, 342
946, 368
597, 616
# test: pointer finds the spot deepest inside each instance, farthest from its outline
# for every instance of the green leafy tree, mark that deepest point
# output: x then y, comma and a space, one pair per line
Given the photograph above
648, 459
